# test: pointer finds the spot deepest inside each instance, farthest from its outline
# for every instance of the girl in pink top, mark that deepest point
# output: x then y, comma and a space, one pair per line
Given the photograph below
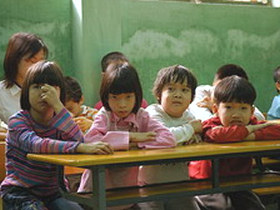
123, 124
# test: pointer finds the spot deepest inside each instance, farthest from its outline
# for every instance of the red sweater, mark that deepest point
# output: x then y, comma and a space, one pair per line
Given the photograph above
229, 166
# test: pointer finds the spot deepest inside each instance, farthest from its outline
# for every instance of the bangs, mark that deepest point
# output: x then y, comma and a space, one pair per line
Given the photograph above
46, 76
239, 96
122, 86
178, 75
123, 82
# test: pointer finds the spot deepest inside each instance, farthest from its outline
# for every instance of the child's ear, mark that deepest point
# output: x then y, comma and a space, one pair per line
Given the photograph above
252, 110
82, 100
277, 85
214, 108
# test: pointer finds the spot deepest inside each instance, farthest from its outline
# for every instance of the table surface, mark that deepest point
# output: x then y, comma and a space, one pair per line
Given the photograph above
132, 156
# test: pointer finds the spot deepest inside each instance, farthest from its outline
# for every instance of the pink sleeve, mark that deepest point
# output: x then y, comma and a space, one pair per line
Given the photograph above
119, 140
144, 104
98, 105
164, 138
226, 134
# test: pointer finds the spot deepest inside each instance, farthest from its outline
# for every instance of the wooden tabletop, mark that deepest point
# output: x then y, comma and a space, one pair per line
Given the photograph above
188, 151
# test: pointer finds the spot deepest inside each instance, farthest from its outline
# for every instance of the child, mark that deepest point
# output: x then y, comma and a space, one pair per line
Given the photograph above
174, 90
114, 57
274, 111
83, 115
42, 126
201, 107
233, 104
123, 124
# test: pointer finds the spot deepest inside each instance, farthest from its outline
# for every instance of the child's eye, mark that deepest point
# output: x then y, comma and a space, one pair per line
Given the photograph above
244, 108
228, 107
185, 90
113, 96
170, 88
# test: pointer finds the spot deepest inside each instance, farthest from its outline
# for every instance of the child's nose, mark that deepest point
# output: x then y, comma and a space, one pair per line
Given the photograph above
177, 94
122, 103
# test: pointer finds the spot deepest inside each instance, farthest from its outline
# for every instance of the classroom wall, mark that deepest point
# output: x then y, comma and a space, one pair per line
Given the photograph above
154, 34
49, 19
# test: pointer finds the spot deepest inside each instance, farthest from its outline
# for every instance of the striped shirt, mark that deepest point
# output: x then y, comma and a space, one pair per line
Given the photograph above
26, 136
88, 112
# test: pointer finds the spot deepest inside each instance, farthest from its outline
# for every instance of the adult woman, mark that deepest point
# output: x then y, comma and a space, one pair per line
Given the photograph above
23, 50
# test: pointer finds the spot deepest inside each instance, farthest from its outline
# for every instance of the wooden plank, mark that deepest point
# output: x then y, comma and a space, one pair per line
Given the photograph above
268, 161
161, 189
189, 151
68, 170
267, 191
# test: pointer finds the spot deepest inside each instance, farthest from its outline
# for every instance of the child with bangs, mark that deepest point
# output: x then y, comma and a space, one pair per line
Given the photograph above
114, 57
234, 121
42, 126
123, 124
174, 90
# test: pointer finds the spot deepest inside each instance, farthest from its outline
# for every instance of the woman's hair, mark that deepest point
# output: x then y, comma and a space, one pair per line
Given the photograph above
42, 72
20, 45
234, 89
73, 89
176, 73
120, 78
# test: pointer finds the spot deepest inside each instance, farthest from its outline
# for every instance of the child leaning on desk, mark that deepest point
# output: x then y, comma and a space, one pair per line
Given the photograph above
124, 124
174, 90
83, 115
42, 126
234, 121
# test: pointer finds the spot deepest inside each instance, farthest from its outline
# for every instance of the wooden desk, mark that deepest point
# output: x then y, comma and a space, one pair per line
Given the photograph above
98, 164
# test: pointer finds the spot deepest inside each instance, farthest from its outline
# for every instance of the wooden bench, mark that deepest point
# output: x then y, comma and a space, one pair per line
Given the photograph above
268, 195
167, 191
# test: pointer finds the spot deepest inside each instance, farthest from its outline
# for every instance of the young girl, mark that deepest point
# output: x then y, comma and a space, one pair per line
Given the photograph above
42, 126
174, 90
123, 124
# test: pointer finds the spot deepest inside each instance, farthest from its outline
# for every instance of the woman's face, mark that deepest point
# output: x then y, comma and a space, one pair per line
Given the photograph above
25, 63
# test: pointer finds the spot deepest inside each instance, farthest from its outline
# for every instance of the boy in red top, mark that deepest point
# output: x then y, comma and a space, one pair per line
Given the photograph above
234, 121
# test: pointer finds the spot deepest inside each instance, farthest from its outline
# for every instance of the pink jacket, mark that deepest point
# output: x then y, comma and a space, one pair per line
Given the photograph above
109, 128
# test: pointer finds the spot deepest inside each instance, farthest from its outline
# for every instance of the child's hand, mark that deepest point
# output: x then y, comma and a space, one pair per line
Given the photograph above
141, 137
252, 128
197, 126
83, 123
100, 148
206, 102
50, 94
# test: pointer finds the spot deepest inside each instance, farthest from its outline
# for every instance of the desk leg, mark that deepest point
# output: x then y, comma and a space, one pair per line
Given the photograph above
215, 173
99, 187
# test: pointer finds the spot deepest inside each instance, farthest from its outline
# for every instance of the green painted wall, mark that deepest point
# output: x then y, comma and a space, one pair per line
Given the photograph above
155, 34
49, 19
